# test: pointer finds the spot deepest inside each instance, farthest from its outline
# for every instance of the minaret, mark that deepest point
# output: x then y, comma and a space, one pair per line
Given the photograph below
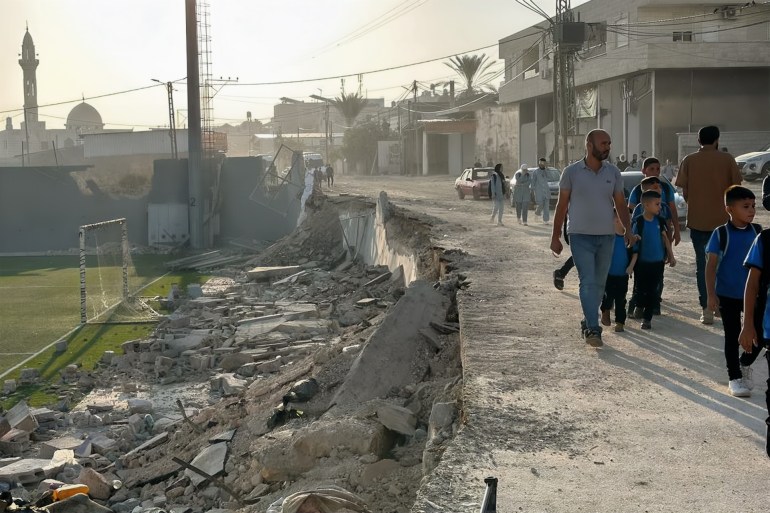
28, 63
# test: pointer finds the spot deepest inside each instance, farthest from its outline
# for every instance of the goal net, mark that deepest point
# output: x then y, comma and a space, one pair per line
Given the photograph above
109, 284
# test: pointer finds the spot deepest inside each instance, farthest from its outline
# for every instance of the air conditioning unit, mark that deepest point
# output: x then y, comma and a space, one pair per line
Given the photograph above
545, 73
728, 13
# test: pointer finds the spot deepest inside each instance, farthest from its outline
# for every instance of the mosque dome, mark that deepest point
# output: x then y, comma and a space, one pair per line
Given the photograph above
84, 117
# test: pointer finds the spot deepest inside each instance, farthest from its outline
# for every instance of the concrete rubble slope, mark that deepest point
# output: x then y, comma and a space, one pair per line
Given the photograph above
254, 390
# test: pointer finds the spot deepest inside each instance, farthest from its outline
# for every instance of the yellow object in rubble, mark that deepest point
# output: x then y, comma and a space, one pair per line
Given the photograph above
66, 491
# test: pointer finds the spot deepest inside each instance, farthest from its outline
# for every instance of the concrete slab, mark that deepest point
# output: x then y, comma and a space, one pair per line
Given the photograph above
388, 358
48, 448
211, 460
268, 273
29, 471
20, 417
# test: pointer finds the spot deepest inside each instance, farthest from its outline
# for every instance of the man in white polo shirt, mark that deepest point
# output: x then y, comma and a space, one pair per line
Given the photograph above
589, 190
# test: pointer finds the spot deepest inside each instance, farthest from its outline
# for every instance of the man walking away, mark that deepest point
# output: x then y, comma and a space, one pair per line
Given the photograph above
704, 176
329, 176
590, 189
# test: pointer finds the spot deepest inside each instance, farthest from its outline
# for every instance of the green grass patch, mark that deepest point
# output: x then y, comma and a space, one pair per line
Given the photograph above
40, 303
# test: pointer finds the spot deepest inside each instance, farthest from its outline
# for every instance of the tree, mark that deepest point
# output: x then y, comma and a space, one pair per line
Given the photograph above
473, 69
360, 143
350, 106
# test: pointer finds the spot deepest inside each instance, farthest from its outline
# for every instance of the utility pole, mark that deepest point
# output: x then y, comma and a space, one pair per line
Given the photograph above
171, 117
416, 142
568, 37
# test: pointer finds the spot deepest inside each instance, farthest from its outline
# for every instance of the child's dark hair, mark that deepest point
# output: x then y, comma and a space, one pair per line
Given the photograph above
736, 193
650, 195
649, 181
649, 161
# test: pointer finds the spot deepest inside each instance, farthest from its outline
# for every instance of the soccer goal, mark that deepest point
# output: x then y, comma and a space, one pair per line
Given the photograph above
108, 280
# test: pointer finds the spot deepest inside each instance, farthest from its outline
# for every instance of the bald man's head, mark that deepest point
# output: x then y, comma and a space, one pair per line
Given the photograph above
598, 144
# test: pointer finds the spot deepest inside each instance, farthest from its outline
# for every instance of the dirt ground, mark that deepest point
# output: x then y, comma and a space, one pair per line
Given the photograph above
644, 424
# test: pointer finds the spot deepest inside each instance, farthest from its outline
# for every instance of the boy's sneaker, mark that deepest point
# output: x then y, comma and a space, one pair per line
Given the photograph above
748, 377
558, 279
620, 327
638, 313
738, 389
594, 338
646, 325
606, 321
707, 317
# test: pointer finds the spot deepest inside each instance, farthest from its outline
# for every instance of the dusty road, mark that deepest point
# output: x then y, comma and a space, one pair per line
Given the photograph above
642, 425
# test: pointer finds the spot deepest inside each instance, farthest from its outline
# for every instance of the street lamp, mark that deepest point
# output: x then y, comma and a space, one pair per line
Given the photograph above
171, 120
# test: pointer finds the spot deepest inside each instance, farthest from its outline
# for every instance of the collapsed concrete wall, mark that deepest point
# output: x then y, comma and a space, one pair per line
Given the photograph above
366, 237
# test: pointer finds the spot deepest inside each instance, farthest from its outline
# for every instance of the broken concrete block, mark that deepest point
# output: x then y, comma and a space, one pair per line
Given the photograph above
194, 290
5, 426
14, 442
270, 366
60, 346
163, 365
48, 448
102, 444
20, 417
367, 301
9, 386
397, 418
78, 503
378, 470
98, 485
107, 357
210, 460
232, 362
200, 362
177, 320
300, 326
136, 405
29, 471
29, 376
150, 444
441, 416
358, 436
230, 385
379, 279
248, 371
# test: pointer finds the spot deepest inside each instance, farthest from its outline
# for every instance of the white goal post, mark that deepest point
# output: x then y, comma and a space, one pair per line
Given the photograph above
84, 229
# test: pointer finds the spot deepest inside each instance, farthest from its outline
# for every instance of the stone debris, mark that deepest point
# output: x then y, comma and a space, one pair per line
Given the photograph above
300, 367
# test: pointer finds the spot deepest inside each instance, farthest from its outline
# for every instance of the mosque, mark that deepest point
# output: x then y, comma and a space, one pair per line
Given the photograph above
32, 142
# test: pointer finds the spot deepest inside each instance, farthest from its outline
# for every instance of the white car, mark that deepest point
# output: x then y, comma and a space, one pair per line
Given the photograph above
754, 165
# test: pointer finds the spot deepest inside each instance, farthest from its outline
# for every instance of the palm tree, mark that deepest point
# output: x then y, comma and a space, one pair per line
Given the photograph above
473, 69
350, 106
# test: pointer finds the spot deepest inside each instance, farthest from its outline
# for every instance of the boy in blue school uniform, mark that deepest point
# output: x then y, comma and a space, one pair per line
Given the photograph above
726, 278
756, 316
616, 288
650, 254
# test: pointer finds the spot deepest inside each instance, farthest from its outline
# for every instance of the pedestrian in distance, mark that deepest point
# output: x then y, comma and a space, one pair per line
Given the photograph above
541, 190
651, 252
521, 182
329, 176
669, 171
622, 162
726, 277
755, 309
616, 288
588, 190
497, 192
704, 176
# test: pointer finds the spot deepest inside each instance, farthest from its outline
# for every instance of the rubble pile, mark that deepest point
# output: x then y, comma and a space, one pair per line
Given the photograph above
279, 381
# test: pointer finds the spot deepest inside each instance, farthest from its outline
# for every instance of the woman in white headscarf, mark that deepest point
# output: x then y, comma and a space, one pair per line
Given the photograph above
520, 183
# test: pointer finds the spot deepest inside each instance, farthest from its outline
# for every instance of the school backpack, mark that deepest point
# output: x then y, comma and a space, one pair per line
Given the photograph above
723, 234
640, 229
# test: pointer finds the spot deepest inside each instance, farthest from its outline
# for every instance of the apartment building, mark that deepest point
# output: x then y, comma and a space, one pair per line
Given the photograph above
649, 72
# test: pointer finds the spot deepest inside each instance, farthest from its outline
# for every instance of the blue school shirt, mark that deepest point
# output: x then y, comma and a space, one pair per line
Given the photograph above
665, 211
731, 273
619, 262
652, 248
754, 259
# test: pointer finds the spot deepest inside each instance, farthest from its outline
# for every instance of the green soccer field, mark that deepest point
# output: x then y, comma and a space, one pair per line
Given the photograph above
40, 297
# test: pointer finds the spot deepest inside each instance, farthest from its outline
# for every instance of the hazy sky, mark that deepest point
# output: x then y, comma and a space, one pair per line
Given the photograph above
97, 47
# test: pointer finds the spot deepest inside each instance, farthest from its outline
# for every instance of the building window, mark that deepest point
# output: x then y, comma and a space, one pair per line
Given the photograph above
596, 40
621, 31
531, 62
683, 36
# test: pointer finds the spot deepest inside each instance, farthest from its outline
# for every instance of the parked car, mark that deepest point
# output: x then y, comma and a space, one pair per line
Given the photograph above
754, 165
474, 182
632, 178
